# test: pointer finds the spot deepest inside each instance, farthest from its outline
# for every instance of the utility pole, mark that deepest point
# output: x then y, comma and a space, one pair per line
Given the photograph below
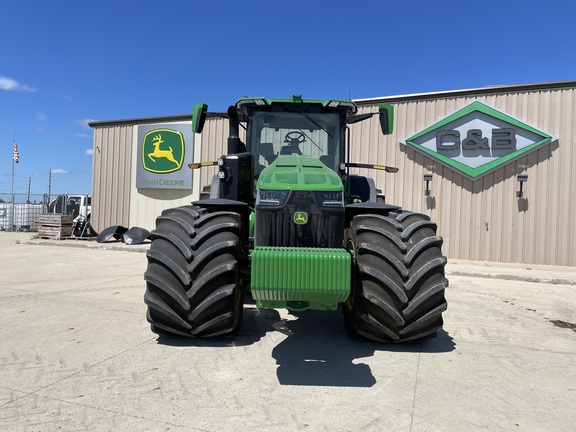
29, 183
15, 159
49, 184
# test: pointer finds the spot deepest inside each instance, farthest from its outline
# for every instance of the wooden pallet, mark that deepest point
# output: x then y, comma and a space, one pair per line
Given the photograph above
54, 227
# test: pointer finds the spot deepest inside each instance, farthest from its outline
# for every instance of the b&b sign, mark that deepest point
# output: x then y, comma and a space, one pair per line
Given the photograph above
477, 139
504, 138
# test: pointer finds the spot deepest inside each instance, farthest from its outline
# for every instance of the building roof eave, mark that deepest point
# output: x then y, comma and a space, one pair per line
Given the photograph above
491, 89
367, 101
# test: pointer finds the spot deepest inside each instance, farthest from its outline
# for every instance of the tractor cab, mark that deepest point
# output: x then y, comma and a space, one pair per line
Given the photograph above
309, 131
280, 127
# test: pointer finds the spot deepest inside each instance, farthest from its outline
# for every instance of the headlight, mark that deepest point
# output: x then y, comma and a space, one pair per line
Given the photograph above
329, 199
271, 198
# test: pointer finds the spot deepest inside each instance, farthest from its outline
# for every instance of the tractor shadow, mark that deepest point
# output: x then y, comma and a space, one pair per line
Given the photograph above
319, 352
255, 324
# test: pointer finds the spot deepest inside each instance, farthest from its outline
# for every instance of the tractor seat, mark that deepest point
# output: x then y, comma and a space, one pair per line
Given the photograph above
288, 150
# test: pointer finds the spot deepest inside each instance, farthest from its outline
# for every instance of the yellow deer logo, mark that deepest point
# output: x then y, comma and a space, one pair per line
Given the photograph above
157, 153
300, 218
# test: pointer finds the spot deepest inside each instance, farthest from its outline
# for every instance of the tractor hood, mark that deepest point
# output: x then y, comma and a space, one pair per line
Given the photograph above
295, 172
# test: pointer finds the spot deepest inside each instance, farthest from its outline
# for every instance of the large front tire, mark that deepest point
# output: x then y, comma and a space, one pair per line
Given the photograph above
398, 285
192, 278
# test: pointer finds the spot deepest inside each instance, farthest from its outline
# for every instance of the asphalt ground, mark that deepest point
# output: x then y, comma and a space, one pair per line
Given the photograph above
76, 354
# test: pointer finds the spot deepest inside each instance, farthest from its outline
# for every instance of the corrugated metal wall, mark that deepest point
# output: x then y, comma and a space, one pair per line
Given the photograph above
483, 219
111, 176
115, 199
147, 204
480, 220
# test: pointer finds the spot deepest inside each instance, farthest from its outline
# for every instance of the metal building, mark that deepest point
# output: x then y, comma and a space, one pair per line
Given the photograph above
492, 166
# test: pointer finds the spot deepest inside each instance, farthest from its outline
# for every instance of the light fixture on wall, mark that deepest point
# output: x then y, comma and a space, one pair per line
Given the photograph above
522, 178
427, 179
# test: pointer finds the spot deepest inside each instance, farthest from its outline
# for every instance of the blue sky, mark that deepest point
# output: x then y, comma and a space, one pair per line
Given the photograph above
65, 63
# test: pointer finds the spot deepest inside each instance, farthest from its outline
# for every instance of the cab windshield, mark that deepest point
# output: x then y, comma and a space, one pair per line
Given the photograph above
300, 133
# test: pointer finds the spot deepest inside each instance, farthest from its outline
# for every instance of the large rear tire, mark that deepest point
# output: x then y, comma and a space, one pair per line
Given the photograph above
192, 278
398, 285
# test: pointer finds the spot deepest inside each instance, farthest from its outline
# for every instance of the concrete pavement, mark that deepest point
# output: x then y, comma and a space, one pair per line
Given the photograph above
76, 354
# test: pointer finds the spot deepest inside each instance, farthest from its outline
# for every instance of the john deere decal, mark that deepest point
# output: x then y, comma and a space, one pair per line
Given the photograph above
162, 151
477, 139
300, 218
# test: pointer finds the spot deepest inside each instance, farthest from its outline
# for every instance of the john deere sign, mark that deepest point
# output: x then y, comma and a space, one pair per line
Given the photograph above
164, 150
477, 139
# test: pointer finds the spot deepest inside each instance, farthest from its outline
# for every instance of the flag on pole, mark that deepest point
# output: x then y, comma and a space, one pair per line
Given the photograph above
16, 155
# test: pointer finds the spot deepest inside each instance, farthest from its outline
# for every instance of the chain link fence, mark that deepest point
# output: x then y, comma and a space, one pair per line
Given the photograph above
20, 212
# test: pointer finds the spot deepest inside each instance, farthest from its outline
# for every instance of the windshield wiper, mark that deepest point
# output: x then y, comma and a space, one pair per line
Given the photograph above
314, 122
312, 141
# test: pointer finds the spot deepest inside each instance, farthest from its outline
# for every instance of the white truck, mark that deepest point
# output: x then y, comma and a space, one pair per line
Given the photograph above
71, 204
77, 205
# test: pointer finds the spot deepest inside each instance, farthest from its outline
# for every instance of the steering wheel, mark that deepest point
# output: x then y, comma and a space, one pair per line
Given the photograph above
295, 138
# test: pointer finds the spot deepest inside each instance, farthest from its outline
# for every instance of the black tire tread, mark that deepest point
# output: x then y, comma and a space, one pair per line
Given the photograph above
398, 292
192, 274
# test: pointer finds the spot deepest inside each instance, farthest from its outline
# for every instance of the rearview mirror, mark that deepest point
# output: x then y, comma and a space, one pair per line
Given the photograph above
199, 117
358, 118
386, 112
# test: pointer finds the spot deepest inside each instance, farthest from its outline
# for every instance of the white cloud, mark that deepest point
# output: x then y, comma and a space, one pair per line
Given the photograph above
41, 116
59, 171
10, 84
62, 95
84, 122
89, 152
83, 135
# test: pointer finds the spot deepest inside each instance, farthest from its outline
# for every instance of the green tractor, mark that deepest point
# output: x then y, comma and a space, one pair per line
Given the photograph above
285, 222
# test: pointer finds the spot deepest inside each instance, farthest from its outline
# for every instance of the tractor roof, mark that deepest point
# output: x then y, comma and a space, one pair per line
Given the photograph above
251, 102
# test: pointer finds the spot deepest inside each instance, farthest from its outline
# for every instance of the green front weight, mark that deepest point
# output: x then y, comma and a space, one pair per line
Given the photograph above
300, 278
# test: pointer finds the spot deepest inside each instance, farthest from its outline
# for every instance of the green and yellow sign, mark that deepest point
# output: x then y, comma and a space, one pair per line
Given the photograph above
163, 151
